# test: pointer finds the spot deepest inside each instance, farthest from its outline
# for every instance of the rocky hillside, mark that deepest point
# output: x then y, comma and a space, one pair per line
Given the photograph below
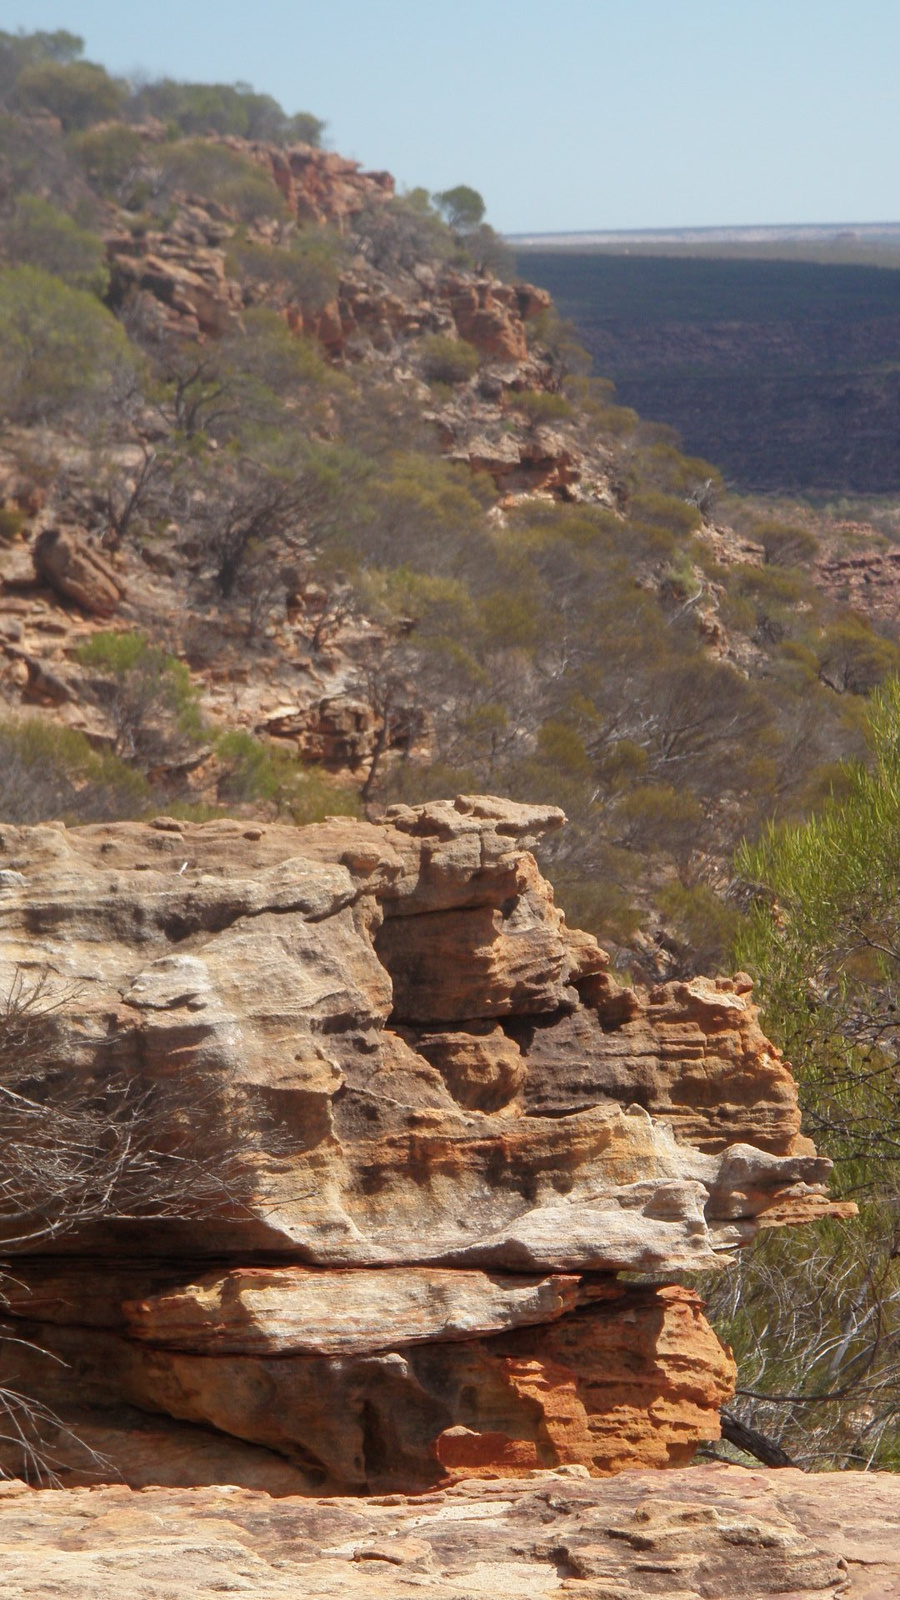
306, 509
337, 1162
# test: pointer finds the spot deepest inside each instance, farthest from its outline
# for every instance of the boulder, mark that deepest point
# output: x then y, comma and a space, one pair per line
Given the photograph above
416, 1130
76, 572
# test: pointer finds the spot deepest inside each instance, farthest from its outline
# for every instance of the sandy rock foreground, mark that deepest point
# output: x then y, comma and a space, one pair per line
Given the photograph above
699, 1534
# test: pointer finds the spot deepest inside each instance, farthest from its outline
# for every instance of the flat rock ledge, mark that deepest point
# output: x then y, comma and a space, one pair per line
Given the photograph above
420, 1132
700, 1534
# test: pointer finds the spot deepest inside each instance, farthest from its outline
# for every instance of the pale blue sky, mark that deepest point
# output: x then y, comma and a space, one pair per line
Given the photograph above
589, 114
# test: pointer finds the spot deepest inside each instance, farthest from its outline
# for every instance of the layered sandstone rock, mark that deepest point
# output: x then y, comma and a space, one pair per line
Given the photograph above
77, 572
185, 279
491, 315
441, 1130
318, 186
699, 1535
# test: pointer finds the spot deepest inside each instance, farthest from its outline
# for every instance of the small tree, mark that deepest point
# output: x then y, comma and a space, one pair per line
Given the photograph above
816, 1321
148, 696
48, 772
224, 108
445, 360
462, 207
21, 50
78, 92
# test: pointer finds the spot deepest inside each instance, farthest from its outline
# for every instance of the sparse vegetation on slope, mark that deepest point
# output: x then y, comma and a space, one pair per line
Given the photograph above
306, 509
344, 451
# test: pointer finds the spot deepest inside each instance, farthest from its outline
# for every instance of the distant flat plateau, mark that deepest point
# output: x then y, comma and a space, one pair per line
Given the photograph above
834, 241
774, 351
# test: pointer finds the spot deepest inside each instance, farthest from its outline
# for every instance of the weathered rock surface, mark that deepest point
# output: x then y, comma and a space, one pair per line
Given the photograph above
76, 572
444, 1127
318, 185
868, 580
186, 279
702, 1534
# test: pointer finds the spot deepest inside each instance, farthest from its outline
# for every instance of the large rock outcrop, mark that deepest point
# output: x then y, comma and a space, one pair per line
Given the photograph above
711, 1532
428, 1130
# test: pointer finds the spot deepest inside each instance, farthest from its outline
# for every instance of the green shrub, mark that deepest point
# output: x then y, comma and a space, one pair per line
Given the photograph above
148, 694
40, 235
511, 619
560, 744
399, 233
305, 271
254, 772
110, 157
659, 817
618, 421
58, 346
786, 545
197, 166
665, 511
267, 356
853, 658
462, 207
821, 938
540, 405
11, 523
224, 108
661, 465
703, 924
78, 92
448, 360
48, 771
21, 50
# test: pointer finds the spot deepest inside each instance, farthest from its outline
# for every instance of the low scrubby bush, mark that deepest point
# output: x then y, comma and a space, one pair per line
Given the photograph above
49, 772
58, 346
40, 235
446, 360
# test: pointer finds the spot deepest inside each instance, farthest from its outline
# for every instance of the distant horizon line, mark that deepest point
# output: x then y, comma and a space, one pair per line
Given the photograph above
758, 230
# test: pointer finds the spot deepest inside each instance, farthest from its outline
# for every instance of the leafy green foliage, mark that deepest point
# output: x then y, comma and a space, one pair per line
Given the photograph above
305, 271
785, 544
21, 50
78, 92
48, 771
462, 207
111, 157
11, 523
539, 405
199, 166
224, 108
40, 235
398, 234
822, 940
446, 360
58, 347
148, 695
253, 771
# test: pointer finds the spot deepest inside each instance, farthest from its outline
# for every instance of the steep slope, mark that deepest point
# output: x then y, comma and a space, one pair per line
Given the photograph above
347, 501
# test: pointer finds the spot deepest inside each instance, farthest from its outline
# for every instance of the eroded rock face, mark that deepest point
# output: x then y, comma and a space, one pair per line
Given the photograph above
445, 1130
698, 1535
77, 572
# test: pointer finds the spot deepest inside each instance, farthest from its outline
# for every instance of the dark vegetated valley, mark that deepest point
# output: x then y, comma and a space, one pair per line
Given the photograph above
785, 373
